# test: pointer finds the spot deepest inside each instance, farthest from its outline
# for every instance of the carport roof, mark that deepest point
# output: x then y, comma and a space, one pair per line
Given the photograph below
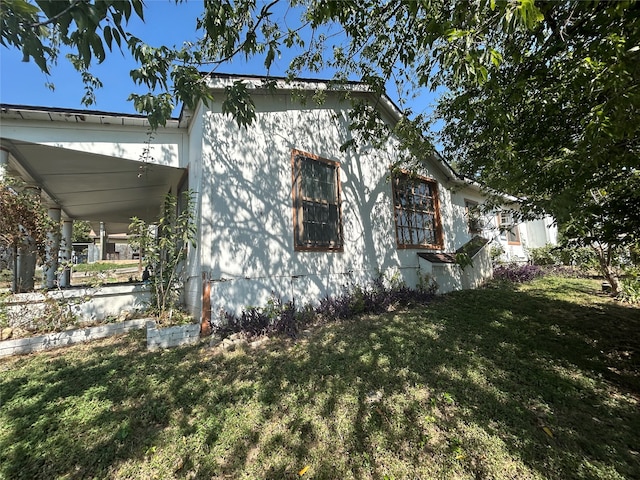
90, 186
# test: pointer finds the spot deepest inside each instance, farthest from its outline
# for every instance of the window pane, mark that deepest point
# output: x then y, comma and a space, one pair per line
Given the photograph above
317, 191
402, 218
416, 215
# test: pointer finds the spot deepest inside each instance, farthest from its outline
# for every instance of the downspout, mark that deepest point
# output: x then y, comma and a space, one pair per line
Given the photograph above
205, 323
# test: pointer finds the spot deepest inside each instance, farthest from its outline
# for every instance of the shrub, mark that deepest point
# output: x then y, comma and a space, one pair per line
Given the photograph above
517, 273
546, 255
630, 285
496, 253
276, 317
165, 249
580, 257
629, 290
251, 321
279, 317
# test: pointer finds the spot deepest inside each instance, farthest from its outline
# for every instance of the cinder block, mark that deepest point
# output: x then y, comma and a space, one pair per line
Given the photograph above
171, 336
69, 337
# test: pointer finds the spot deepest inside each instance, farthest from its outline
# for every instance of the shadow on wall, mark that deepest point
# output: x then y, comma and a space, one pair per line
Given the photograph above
247, 225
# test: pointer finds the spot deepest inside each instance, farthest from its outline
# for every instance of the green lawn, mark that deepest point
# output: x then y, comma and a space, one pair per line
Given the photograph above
537, 381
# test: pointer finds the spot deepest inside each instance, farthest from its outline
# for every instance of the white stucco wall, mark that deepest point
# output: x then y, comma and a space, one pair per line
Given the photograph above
246, 234
533, 234
459, 221
541, 232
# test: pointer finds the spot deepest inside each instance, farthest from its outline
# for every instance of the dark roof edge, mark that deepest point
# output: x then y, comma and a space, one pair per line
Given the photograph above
353, 83
274, 77
74, 111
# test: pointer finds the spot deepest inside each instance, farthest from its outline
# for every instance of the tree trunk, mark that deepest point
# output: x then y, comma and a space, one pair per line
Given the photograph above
611, 277
609, 273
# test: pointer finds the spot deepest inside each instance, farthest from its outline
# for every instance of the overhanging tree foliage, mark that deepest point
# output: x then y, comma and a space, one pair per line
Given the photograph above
557, 122
368, 40
25, 225
543, 96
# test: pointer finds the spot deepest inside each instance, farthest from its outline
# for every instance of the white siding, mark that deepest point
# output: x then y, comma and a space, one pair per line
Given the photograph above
247, 225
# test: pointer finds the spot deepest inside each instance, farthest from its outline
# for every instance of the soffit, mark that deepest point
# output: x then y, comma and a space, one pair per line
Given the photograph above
94, 187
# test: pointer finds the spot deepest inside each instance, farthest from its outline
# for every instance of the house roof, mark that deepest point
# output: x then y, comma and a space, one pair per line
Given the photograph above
37, 160
257, 82
87, 185
219, 81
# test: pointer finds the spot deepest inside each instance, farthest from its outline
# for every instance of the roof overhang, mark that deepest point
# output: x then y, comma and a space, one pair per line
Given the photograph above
70, 115
84, 185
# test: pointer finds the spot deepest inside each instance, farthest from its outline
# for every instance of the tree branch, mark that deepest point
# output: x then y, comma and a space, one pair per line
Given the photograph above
264, 13
53, 19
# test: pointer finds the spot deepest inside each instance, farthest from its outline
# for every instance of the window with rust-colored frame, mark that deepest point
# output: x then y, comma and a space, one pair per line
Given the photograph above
508, 228
417, 212
317, 213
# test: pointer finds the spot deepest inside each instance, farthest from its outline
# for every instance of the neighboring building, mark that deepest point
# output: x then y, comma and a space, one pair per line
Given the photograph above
516, 239
281, 208
512, 238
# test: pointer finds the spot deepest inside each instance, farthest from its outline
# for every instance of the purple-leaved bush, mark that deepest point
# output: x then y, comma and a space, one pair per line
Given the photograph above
280, 317
517, 273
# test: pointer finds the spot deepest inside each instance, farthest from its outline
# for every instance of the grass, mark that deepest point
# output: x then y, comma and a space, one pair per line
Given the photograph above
105, 272
102, 266
529, 382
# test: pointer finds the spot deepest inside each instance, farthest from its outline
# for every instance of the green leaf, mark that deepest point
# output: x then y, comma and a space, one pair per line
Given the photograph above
108, 37
239, 104
138, 6
84, 50
496, 57
271, 53
117, 37
125, 9
98, 48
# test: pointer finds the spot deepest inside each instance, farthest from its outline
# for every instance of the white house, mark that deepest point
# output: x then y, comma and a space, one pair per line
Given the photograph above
511, 239
515, 239
281, 208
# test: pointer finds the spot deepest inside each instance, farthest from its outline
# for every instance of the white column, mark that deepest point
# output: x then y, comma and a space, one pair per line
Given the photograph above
4, 163
66, 246
53, 245
103, 242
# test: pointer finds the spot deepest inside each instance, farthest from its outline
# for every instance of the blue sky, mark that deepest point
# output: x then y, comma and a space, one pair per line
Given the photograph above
165, 24
23, 83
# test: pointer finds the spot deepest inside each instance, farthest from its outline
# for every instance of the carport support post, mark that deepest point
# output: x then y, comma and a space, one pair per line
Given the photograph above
103, 242
26, 263
53, 245
65, 252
